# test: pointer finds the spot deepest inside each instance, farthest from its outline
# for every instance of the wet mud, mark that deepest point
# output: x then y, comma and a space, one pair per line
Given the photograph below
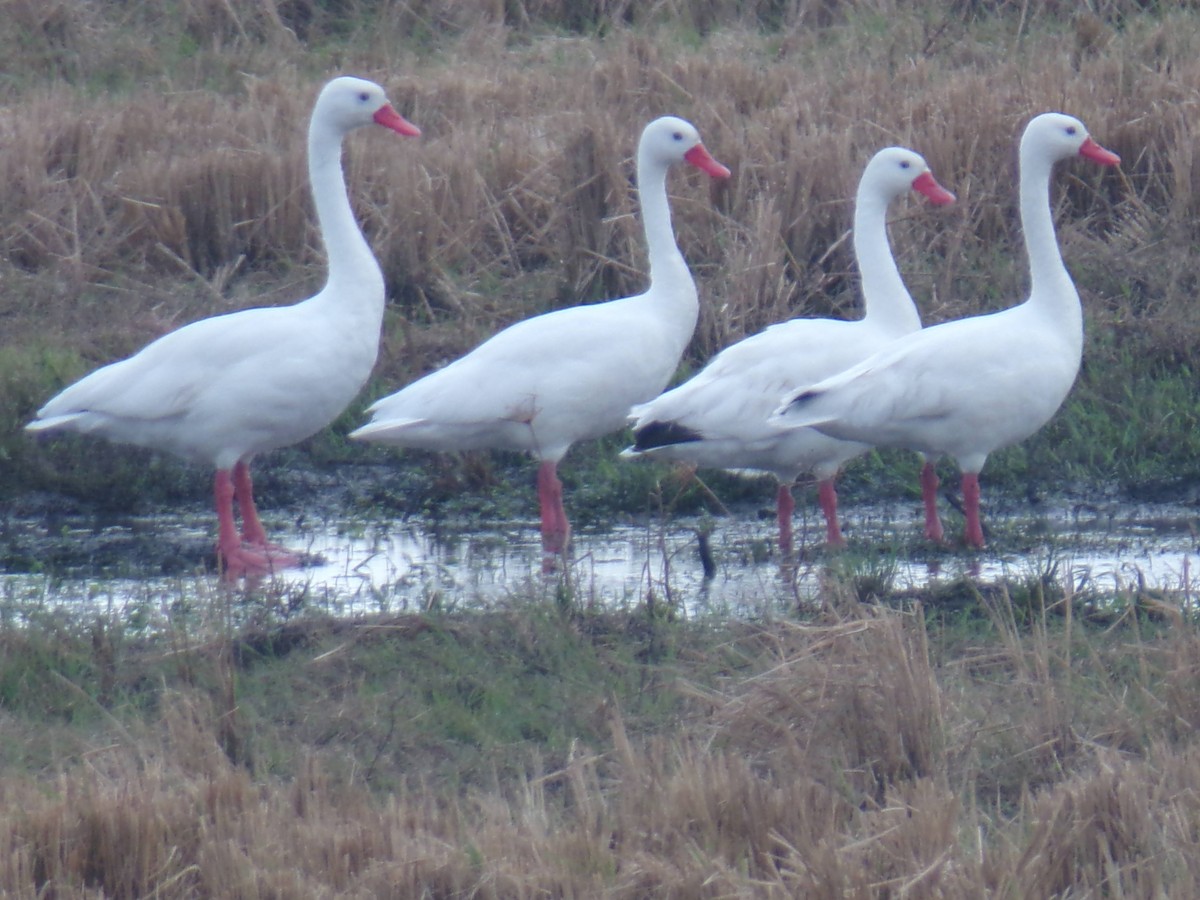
726, 565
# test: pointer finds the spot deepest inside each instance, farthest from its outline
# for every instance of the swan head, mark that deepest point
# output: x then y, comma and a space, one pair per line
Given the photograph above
1059, 136
347, 103
895, 170
669, 140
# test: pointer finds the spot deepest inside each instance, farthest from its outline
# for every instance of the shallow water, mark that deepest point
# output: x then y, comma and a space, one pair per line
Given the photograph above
360, 568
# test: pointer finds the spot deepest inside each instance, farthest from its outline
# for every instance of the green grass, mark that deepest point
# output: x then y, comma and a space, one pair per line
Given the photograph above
466, 698
1019, 738
539, 714
86, 288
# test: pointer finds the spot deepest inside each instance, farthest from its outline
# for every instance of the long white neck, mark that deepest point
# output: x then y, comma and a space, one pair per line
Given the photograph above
669, 274
1051, 289
887, 302
354, 275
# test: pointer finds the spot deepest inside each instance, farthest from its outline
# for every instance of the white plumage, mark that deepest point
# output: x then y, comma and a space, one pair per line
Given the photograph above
544, 383
968, 387
720, 418
221, 390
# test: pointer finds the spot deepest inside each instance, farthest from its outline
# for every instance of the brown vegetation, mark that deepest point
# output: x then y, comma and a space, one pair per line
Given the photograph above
160, 202
155, 170
153, 160
857, 759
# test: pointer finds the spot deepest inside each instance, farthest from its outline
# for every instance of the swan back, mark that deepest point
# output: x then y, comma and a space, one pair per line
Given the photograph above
970, 386
224, 388
546, 382
720, 417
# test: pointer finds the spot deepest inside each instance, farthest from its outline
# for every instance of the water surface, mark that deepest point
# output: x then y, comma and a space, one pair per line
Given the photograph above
368, 567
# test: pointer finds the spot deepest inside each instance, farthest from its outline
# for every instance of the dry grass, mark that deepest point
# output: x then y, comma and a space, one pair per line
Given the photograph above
855, 763
519, 196
154, 165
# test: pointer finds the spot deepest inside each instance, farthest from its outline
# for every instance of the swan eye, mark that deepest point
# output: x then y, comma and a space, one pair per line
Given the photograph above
905, 164
1071, 129
678, 136
364, 96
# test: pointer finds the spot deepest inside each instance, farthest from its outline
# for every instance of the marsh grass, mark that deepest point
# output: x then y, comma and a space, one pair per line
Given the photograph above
139, 202
866, 752
1013, 741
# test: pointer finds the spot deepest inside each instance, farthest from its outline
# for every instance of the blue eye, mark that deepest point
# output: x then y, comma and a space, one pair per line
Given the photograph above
905, 164
678, 135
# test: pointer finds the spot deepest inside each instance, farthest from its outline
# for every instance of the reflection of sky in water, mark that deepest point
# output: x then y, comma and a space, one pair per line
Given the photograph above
404, 567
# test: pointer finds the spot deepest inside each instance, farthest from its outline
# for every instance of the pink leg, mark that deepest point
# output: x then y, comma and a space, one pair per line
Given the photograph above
929, 486
827, 495
253, 532
973, 534
234, 556
252, 529
556, 530
785, 505
240, 554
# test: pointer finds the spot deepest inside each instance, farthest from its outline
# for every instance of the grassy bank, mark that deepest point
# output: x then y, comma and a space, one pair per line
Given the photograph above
1015, 750
156, 173
1009, 741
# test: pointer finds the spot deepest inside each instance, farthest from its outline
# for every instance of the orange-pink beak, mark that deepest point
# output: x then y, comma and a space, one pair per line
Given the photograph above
926, 184
702, 159
1093, 151
389, 118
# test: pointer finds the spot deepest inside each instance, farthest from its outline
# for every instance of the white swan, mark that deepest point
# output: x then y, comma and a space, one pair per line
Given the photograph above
971, 386
224, 389
544, 383
720, 417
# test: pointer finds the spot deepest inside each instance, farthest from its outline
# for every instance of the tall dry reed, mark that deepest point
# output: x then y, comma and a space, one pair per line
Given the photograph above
520, 196
836, 769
